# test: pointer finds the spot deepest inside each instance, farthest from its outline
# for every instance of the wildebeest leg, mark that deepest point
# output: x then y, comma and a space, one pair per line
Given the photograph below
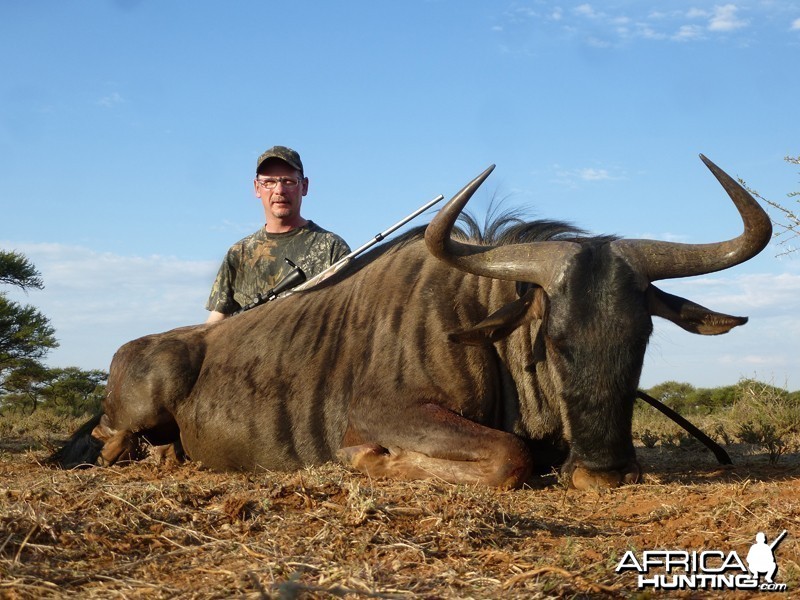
117, 445
126, 445
148, 378
438, 443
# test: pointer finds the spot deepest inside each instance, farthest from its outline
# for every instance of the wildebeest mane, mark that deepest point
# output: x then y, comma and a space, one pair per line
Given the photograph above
508, 227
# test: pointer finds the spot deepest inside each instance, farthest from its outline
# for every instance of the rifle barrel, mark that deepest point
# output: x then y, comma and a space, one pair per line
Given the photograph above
379, 237
344, 261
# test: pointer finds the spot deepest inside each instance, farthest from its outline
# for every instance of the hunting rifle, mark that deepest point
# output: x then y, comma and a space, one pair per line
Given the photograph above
296, 279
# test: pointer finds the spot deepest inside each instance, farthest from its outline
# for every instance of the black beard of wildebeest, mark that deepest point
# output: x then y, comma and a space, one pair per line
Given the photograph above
473, 359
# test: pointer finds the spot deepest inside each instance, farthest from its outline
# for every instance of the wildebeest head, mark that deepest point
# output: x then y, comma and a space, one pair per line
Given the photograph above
593, 299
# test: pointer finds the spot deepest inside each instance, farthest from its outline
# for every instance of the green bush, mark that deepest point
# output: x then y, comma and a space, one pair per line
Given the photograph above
751, 412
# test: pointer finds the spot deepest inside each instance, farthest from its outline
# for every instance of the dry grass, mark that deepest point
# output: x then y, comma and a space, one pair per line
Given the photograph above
152, 531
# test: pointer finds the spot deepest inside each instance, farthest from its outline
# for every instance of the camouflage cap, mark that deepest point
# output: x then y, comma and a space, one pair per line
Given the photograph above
283, 153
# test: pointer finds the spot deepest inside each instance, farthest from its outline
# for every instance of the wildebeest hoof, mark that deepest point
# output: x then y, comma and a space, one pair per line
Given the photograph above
584, 479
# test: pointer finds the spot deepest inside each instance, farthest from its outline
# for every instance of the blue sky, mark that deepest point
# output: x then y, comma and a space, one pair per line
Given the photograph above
129, 131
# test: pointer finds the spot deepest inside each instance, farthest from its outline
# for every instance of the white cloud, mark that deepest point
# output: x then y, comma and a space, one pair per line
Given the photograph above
765, 293
586, 10
758, 360
570, 177
648, 33
764, 348
688, 32
609, 29
111, 100
696, 13
97, 301
724, 19
520, 13
796, 25
591, 174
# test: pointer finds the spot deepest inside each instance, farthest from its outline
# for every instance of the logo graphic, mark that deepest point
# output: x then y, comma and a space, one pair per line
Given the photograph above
761, 558
707, 569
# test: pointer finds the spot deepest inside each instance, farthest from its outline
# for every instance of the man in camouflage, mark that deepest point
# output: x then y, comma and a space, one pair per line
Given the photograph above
256, 263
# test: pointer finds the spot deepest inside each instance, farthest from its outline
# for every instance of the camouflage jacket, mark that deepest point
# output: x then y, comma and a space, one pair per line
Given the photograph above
256, 263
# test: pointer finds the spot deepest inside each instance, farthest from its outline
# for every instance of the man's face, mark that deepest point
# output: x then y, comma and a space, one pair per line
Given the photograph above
282, 202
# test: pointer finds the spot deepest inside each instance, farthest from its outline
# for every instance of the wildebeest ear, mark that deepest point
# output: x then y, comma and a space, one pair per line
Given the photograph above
503, 321
692, 317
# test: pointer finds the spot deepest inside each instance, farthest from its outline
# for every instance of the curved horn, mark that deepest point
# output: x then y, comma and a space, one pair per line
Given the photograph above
665, 260
535, 262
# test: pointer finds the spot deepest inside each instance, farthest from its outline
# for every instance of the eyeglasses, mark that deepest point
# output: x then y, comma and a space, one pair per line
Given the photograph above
270, 183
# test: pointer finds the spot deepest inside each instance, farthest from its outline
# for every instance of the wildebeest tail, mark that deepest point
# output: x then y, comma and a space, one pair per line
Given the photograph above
81, 450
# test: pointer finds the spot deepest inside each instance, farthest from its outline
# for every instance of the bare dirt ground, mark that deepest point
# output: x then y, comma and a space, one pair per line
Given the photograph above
145, 530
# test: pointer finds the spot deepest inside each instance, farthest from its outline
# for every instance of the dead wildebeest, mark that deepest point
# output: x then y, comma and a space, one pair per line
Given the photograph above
469, 361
